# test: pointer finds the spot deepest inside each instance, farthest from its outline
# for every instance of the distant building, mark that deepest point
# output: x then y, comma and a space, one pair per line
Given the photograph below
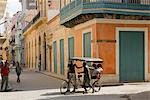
14, 40
34, 35
28, 4
7, 34
2, 50
2, 7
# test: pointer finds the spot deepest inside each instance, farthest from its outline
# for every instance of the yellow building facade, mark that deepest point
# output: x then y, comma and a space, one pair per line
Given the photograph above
34, 37
5, 53
34, 44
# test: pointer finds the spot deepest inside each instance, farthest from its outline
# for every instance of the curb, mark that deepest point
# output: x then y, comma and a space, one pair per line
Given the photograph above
111, 84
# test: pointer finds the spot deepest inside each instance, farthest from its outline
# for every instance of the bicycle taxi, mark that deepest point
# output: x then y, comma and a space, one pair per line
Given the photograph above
83, 72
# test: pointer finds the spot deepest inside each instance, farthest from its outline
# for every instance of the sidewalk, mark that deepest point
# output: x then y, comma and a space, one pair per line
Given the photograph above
127, 88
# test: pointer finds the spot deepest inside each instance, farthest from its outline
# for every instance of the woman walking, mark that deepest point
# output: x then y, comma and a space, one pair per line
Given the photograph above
18, 71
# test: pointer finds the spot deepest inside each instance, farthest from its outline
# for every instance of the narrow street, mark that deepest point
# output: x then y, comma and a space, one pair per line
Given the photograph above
31, 80
32, 85
37, 86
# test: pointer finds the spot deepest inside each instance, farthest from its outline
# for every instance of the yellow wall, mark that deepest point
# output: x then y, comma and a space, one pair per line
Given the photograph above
6, 54
32, 45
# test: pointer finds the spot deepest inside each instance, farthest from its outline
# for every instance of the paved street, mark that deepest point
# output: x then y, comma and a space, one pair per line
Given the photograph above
31, 80
37, 86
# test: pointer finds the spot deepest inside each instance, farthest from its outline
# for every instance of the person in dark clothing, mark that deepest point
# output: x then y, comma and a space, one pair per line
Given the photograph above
18, 71
87, 78
39, 65
71, 75
1, 66
5, 73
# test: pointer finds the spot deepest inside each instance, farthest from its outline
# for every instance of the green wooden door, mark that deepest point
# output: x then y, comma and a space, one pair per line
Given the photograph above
62, 56
55, 56
87, 44
71, 47
131, 45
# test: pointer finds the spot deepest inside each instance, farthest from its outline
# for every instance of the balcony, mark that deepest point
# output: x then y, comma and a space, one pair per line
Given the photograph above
33, 21
79, 11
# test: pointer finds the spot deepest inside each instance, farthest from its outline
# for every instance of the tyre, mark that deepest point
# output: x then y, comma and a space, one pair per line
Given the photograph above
64, 87
97, 86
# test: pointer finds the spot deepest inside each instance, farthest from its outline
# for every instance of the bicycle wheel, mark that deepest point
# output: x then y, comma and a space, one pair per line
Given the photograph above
65, 88
97, 86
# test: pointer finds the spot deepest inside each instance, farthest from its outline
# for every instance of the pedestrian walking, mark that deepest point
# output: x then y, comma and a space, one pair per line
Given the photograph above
39, 65
4, 73
18, 71
87, 78
1, 66
71, 76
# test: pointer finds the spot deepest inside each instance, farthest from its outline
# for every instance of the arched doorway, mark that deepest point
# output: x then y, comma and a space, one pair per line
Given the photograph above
29, 55
32, 54
45, 67
39, 61
35, 54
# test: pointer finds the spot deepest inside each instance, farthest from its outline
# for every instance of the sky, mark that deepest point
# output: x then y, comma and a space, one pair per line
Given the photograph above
12, 7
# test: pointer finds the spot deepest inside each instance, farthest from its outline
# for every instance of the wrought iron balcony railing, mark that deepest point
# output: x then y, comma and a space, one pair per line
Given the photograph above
32, 22
78, 7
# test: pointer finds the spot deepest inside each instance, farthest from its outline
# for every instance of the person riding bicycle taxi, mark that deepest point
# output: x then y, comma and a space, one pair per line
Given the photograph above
87, 77
71, 75
97, 71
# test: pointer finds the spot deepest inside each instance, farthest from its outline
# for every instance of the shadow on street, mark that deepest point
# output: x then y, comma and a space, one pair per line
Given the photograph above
138, 96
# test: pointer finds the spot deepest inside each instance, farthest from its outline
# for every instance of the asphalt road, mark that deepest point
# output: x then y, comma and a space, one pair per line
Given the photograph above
139, 96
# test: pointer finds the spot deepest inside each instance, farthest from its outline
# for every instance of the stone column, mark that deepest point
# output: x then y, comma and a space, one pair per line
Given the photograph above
42, 53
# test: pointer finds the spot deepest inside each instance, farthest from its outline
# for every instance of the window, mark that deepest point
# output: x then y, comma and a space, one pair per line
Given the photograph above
132, 1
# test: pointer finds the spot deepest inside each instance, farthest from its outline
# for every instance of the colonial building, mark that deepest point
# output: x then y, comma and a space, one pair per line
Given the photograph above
117, 31
34, 33
2, 50
7, 34
2, 39
2, 7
